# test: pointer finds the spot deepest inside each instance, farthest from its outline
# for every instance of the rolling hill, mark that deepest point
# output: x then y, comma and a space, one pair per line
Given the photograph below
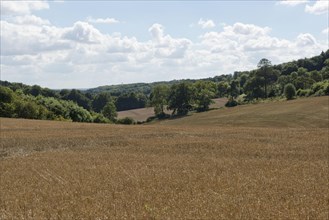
263, 161
303, 112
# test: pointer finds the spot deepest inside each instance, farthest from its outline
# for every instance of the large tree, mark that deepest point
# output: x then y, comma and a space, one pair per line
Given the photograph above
181, 98
158, 98
204, 91
266, 73
100, 101
109, 111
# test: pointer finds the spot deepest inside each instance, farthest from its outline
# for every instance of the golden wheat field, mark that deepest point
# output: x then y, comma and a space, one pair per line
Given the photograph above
213, 170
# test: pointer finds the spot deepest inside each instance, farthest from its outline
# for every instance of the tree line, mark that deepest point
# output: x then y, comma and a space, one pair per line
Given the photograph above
304, 77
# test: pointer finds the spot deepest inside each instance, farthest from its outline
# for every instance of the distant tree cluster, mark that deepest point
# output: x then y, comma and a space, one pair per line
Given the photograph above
183, 97
304, 77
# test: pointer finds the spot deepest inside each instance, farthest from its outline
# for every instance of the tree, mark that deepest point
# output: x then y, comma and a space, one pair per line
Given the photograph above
223, 88
315, 75
79, 114
35, 90
267, 73
243, 79
234, 88
109, 111
203, 94
100, 101
6, 102
181, 98
158, 99
253, 88
79, 98
288, 68
6, 94
130, 101
289, 91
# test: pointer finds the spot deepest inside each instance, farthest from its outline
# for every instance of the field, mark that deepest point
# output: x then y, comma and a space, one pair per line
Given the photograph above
264, 161
141, 114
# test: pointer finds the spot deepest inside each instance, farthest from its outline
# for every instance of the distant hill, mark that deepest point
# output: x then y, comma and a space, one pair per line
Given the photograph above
311, 64
303, 112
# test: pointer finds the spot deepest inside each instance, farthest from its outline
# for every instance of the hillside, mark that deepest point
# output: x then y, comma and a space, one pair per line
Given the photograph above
303, 112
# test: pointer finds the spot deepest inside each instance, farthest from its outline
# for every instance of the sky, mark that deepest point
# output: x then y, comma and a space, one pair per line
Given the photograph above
84, 44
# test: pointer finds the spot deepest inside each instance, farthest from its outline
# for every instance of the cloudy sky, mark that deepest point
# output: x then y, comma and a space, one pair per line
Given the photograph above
83, 44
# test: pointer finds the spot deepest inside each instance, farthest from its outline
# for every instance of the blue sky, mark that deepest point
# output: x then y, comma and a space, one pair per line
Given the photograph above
83, 44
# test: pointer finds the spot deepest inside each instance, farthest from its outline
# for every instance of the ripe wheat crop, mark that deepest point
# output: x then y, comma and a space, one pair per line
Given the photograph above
61, 170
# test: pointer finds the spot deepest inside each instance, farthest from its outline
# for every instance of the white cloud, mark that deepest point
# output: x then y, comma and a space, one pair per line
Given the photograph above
206, 23
102, 20
19, 39
306, 40
318, 8
30, 20
247, 29
85, 57
325, 31
292, 2
247, 41
165, 45
22, 7
83, 32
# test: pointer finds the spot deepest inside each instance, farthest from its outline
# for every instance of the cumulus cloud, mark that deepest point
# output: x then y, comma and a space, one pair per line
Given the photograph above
306, 40
46, 54
292, 2
22, 7
318, 8
246, 41
30, 20
19, 39
83, 32
165, 45
247, 29
206, 23
325, 31
102, 20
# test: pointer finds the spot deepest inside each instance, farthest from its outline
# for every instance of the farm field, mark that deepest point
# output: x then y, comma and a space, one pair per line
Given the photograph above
264, 161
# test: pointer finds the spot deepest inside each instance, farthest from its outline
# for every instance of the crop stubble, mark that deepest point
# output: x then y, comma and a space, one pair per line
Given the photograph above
60, 170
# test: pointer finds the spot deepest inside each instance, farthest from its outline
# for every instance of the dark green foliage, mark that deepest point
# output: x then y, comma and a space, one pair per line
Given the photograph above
289, 91
100, 101
130, 101
303, 82
320, 88
223, 88
126, 121
288, 68
253, 88
231, 103
79, 98
158, 99
204, 92
181, 98
6, 94
79, 114
234, 89
266, 74
109, 111
304, 92
99, 118
35, 90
